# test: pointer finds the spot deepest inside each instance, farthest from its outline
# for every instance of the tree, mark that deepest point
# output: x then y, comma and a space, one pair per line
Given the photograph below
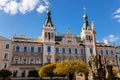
70, 68
5, 74
115, 72
47, 70
33, 73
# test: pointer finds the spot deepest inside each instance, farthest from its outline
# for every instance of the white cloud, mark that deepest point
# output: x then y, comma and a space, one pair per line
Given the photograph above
111, 38
11, 7
41, 8
117, 11
3, 2
23, 6
116, 15
46, 2
28, 6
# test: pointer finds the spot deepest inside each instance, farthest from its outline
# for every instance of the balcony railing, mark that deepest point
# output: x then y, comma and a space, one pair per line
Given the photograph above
26, 54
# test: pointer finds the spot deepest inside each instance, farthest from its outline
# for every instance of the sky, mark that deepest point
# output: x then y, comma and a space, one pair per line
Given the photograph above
26, 17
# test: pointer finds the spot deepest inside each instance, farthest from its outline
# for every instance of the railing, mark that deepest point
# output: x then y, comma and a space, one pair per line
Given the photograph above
26, 54
19, 64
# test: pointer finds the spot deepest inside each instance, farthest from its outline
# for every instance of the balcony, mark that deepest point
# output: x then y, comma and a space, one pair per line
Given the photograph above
5, 59
26, 54
19, 64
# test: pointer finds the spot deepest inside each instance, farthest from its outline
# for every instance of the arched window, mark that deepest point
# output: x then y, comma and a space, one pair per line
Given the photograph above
7, 46
111, 52
89, 37
49, 35
63, 50
5, 65
101, 52
39, 50
69, 50
32, 49
25, 49
106, 52
17, 49
76, 51
5, 55
57, 50
91, 51
82, 51
48, 49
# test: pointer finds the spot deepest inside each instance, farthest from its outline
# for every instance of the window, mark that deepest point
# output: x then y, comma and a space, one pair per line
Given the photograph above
5, 65
49, 35
82, 51
17, 48
16, 61
101, 52
32, 49
63, 50
111, 52
119, 59
24, 61
63, 59
106, 52
23, 74
25, 49
57, 50
5, 55
56, 59
69, 50
48, 49
39, 50
7, 46
91, 51
31, 61
76, 51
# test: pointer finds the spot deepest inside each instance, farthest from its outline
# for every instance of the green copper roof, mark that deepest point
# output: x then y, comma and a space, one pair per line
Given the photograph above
48, 18
85, 19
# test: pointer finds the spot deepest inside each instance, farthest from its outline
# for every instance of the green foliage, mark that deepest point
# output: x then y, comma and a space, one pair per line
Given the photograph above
33, 73
5, 73
47, 70
115, 72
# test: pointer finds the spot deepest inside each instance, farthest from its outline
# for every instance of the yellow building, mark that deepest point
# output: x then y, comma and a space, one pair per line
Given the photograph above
25, 54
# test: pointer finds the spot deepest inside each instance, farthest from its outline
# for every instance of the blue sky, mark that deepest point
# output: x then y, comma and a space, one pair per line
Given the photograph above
27, 17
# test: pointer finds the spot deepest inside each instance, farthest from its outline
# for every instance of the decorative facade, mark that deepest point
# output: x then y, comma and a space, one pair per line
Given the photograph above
22, 54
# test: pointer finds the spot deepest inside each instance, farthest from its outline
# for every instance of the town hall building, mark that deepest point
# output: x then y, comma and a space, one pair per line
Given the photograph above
22, 54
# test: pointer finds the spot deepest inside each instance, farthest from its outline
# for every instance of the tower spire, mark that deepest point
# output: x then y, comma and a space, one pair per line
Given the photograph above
85, 19
48, 18
84, 10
